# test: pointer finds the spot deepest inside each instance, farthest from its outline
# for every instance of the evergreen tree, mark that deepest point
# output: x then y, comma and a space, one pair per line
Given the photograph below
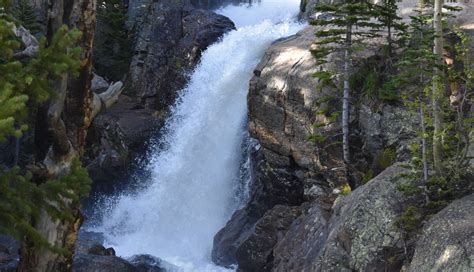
22, 197
113, 44
420, 85
345, 26
414, 74
26, 16
388, 17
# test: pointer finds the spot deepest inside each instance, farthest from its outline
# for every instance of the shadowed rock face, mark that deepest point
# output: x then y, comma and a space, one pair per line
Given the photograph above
447, 243
269, 188
256, 252
170, 37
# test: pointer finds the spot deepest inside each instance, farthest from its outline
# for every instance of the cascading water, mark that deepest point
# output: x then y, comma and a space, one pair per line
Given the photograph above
195, 173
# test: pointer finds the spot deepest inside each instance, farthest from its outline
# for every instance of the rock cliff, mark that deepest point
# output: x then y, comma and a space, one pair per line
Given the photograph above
169, 39
296, 219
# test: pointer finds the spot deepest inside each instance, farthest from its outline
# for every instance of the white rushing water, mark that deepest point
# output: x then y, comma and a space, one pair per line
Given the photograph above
196, 174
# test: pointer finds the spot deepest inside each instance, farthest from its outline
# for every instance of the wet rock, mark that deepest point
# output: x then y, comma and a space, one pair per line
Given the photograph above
447, 242
170, 38
116, 137
269, 188
96, 263
148, 263
256, 252
101, 250
87, 240
307, 9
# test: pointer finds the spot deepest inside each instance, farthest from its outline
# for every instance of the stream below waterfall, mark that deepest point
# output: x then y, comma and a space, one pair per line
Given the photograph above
196, 169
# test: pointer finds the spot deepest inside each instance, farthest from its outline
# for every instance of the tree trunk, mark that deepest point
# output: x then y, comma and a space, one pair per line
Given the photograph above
66, 117
346, 100
437, 92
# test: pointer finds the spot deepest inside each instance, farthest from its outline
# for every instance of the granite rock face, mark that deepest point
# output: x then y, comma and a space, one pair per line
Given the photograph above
282, 105
256, 252
447, 242
360, 234
269, 188
116, 137
169, 40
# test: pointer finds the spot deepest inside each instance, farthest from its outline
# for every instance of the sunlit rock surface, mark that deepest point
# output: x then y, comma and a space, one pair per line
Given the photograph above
447, 243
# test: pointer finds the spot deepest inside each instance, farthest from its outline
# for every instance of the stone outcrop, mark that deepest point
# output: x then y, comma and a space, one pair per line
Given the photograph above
307, 9
447, 242
116, 137
303, 242
169, 40
289, 169
360, 234
269, 188
284, 105
256, 252
90, 255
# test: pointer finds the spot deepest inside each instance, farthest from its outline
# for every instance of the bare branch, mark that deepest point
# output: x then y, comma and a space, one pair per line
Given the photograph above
106, 99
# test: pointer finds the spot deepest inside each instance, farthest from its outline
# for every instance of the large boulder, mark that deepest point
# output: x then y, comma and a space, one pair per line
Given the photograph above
303, 242
91, 255
97, 263
116, 137
256, 252
170, 37
360, 235
87, 240
447, 242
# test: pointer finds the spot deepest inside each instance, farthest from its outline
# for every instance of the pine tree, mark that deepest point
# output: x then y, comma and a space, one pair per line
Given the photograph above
113, 45
345, 26
388, 17
26, 16
414, 74
22, 197
420, 85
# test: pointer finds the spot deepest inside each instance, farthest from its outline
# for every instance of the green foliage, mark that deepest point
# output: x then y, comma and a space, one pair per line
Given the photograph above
388, 157
26, 16
368, 176
387, 15
333, 35
345, 189
370, 80
30, 81
409, 189
22, 201
21, 82
113, 42
411, 219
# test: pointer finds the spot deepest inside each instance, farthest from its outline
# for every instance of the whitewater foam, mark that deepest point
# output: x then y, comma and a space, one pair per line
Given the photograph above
195, 173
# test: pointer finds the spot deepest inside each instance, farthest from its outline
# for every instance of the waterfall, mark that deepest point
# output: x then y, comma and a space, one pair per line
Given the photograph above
195, 170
